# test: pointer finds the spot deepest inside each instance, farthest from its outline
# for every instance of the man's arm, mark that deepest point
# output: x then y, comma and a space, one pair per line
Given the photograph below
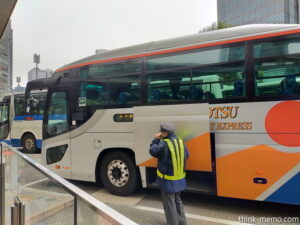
156, 148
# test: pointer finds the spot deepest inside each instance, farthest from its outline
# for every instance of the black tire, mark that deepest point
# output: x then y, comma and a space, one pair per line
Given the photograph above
124, 179
29, 143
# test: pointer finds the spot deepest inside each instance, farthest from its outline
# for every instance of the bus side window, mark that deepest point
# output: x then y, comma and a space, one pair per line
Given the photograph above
3, 113
37, 108
94, 94
277, 64
170, 86
4, 121
196, 92
288, 85
217, 82
124, 90
277, 78
209, 95
19, 103
238, 88
57, 116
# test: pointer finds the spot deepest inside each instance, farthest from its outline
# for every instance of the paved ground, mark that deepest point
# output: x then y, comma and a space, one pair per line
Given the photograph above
145, 207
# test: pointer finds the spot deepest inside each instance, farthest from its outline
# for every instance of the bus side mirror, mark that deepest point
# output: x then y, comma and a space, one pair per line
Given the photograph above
31, 102
27, 109
28, 106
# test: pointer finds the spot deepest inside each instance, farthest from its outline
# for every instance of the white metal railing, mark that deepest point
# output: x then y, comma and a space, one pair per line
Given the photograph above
46, 196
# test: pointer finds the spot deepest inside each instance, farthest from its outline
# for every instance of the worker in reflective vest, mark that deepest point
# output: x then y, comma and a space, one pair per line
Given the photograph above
171, 153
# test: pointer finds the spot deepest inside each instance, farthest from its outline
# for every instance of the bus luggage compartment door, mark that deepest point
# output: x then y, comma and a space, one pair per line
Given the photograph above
192, 125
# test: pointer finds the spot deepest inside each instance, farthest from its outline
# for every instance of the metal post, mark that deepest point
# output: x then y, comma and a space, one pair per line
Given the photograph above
14, 215
2, 185
22, 214
18, 212
36, 71
75, 209
36, 60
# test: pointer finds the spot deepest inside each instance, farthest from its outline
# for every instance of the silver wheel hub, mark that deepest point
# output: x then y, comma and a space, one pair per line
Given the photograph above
29, 143
118, 173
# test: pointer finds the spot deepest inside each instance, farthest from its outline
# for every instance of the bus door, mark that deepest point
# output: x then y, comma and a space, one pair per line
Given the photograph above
4, 121
192, 125
56, 133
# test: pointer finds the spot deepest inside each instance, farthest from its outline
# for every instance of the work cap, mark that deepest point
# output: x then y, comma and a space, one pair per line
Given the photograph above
167, 127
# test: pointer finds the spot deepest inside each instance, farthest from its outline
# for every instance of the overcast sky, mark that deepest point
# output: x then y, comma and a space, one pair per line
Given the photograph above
62, 31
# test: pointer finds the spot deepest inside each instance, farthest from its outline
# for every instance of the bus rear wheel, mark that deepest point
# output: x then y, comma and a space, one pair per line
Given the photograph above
119, 174
29, 143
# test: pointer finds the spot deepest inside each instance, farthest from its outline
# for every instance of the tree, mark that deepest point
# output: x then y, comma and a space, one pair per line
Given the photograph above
215, 26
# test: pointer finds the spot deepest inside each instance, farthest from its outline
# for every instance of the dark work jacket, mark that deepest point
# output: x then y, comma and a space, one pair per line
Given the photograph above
160, 150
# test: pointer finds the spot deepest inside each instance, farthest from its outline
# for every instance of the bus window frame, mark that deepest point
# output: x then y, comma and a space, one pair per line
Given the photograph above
203, 49
255, 98
249, 61
249, 68
211, 101
276, 38
104, 80
139, 60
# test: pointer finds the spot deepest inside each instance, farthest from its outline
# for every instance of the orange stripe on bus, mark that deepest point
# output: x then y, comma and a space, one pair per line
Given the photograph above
149, 163
183, 48
200, 154
236, 171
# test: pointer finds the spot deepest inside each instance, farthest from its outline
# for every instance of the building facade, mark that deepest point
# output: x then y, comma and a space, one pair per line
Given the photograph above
18, 89
241, 12
6, 61
35, 74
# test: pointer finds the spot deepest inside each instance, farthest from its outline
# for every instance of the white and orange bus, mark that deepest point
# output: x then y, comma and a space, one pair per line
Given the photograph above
233, 94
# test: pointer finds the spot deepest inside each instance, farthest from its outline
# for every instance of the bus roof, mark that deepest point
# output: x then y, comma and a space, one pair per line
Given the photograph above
23, 92
205, 39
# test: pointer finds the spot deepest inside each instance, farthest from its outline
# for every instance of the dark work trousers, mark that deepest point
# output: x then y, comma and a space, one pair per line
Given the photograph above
173, 208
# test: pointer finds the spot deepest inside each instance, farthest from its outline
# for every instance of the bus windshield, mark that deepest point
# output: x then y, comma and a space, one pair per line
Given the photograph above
35, 104
4, 120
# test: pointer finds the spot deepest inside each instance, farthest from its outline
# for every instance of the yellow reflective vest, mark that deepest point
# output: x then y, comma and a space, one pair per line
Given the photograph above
176, 149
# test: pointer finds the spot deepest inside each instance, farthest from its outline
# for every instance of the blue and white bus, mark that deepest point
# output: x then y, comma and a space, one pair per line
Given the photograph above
19, 126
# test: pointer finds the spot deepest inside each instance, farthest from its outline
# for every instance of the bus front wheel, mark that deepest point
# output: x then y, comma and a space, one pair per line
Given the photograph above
119, 174
29, 143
